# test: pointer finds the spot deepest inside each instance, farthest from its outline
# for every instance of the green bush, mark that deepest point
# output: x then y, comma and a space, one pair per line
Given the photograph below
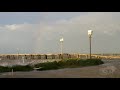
16, 68
48, 65
5, 69
22, 68
69, 63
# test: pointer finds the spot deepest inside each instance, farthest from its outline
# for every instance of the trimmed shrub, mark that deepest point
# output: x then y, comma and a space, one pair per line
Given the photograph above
22, 68
16, 68
4, 69
69, 63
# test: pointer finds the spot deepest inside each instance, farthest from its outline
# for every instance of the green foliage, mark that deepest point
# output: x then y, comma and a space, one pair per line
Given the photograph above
22, 68
5, 69
16, 68
69, 63
48, 65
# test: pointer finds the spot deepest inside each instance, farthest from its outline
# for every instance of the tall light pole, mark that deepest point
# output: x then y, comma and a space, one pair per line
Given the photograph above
23, 59
90, 32
61, 41
17, 53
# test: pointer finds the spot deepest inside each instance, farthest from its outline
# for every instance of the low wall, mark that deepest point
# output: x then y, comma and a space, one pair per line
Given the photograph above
53, 56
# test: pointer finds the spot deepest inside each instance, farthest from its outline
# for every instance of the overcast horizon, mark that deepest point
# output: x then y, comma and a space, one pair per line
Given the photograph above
40, 32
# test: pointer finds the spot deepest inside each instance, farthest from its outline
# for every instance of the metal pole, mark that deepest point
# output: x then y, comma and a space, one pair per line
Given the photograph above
62, 49
90, 45
23, 59
18, 53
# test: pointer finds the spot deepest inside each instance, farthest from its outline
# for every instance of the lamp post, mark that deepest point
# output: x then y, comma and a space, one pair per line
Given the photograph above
90, 32
61, 41
17, 53
23, 59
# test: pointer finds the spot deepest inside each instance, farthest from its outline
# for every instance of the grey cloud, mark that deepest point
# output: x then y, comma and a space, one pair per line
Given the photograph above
104, 24
44, 36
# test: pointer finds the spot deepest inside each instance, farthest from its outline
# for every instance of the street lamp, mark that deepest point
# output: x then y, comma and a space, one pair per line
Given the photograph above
90, 32
17, 53
23, 59
61, 41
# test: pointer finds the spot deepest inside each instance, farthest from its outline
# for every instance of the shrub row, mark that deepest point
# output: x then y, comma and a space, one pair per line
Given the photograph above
16, 68
70, 63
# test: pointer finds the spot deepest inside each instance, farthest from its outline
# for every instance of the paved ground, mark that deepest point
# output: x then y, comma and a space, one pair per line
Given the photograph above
111, 69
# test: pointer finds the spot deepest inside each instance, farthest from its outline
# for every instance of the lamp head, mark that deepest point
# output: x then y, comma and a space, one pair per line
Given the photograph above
90, 32
61, 40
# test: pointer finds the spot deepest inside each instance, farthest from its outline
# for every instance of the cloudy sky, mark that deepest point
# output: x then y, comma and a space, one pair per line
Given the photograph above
39, 32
